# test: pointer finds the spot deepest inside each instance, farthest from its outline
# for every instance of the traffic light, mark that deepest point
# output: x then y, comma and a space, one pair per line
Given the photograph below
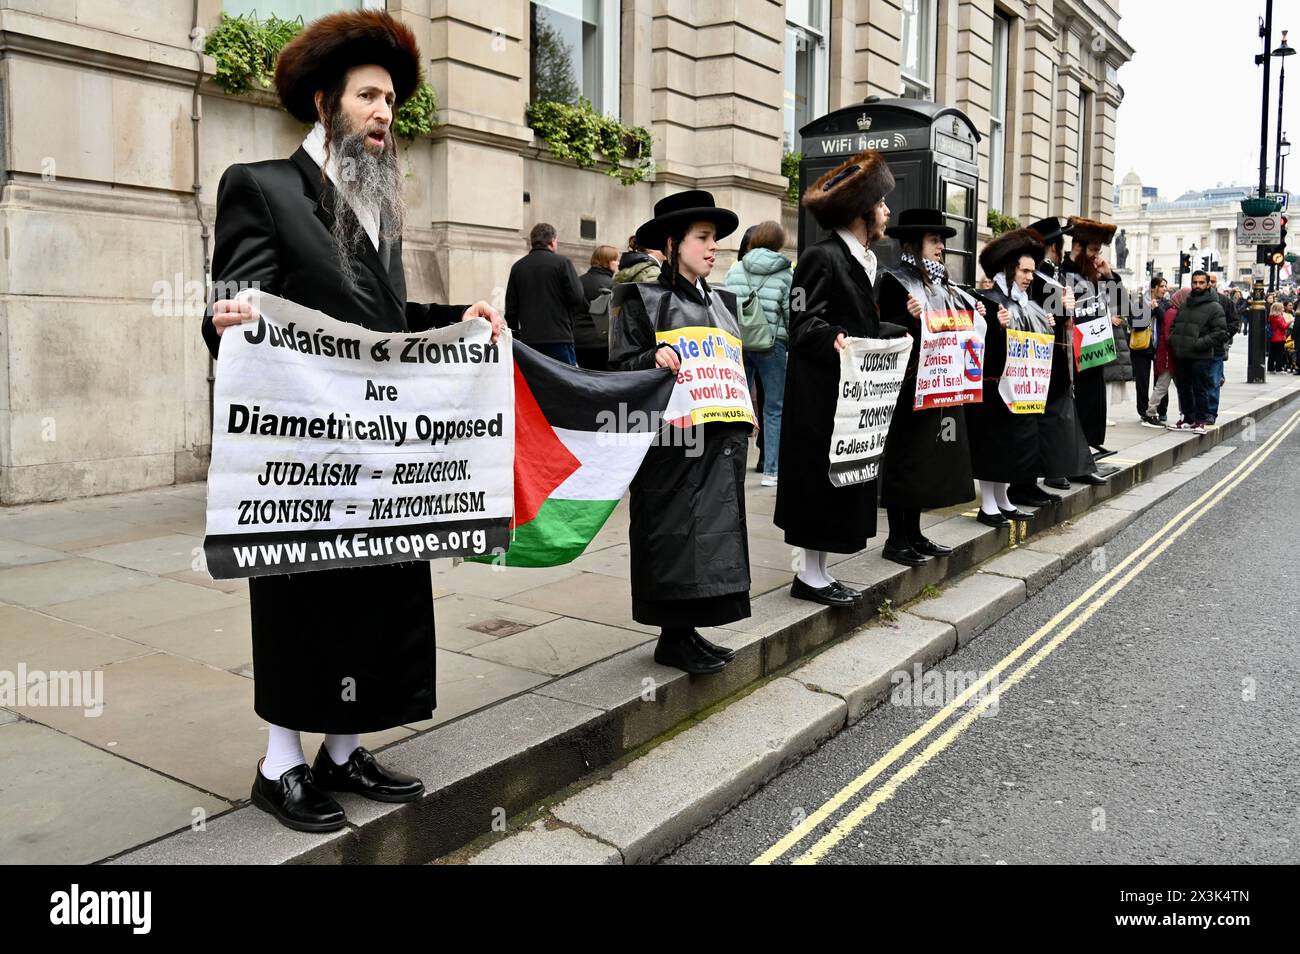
1151, 268
1205, 263
1184, 262
1276, 254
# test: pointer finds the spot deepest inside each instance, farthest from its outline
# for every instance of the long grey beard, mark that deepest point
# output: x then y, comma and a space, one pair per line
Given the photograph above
364, 180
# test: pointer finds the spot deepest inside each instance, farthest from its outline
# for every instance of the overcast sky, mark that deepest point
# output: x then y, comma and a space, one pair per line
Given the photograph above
1200, 55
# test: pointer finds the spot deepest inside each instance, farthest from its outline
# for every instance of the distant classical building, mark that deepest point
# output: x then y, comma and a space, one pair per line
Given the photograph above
1200, 223
115, 136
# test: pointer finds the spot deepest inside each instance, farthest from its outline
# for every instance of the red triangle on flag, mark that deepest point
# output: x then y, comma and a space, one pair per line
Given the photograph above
542, 462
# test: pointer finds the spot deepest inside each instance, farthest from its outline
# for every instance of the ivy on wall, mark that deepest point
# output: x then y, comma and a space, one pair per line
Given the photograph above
790, 169
245, 49
1000, 223
577, 133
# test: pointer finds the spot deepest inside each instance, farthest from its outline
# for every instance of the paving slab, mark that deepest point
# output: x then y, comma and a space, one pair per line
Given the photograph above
559, 647
862, 669
1035, 568
122, 612
221, 638
465, 684
163, 554
57, 581
972, 604
463, 620
541, 846
17, 553
653, 804
46, 643
72, 803
1077, 538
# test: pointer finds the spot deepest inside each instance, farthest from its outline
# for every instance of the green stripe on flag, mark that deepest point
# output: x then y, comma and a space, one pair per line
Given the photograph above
557, 535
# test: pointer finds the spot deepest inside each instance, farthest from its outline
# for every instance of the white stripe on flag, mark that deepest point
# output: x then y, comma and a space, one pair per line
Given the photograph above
609, 461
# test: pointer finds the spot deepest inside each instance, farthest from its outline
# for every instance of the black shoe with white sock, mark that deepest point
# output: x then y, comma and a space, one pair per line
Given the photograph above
364, 776
296, 801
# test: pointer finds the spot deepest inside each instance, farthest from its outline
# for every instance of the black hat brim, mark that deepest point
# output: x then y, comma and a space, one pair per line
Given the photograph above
919, 231
654, 234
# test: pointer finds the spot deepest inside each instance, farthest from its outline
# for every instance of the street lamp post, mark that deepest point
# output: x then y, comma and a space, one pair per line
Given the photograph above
1256, 346
1283, 51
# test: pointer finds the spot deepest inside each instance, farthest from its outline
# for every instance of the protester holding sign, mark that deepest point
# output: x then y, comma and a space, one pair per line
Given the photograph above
690, 550
927, 454
1004, 444
832, 299
339, 651
1096, 291
1062, 447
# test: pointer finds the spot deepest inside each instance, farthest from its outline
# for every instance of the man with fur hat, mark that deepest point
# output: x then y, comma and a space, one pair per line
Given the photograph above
323, 228
1090, 275
832, 297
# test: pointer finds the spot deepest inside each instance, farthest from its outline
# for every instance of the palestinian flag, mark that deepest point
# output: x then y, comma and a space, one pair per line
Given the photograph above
580, 437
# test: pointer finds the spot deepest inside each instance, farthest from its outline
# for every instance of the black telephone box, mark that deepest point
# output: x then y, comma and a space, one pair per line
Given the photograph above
933, 152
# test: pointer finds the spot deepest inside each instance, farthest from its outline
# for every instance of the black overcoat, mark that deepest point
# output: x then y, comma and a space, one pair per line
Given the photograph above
1004, 446
347, 650
687, 536
1062, 446
927, 453
831, 295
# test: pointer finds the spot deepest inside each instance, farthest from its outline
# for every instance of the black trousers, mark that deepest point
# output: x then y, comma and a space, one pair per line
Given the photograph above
1142, 362
1276, 355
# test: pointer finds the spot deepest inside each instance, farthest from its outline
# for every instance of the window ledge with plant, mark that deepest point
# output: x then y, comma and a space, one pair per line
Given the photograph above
577, 133
999, 223
245, 50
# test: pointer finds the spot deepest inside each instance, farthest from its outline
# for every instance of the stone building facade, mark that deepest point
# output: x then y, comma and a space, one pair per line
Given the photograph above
115, 137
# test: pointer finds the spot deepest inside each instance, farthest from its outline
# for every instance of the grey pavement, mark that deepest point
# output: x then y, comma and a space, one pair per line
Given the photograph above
114, 585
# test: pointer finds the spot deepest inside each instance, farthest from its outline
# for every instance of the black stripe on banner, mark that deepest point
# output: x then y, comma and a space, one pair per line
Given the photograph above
582, 400
236, 555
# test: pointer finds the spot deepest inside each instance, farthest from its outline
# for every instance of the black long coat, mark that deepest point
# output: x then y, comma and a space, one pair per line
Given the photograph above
927, 453
1004, 446
688, 540
837, 298
366, 629
1090, 384
1062, 446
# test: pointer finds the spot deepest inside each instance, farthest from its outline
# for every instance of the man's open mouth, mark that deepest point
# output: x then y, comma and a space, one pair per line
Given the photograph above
377, 138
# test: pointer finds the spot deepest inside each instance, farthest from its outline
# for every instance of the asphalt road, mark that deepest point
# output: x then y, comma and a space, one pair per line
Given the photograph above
1165, 729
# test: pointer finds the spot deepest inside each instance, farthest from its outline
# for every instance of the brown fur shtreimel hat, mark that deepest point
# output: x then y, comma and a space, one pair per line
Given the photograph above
327, 48
849, 190
1010, 245
1085, 231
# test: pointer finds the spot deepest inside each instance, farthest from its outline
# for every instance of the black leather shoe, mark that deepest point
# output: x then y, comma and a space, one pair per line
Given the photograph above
1092, 479
993, 519
713, 649
927, 547
683, 654
849, 591
296, 801
905, 555
364, 776
1031, 498
1017, 515
1057, 483
832, 595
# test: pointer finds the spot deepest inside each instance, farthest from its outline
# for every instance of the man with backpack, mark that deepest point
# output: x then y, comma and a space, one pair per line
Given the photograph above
761, 281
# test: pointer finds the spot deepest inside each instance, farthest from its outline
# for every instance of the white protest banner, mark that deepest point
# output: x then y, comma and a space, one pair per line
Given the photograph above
711, 383
950, 369
871, 374
336, 446
1028, 371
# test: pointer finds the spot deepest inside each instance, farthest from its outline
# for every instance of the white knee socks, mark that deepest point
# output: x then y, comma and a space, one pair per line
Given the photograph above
341, 747
814, 569
992, 494
283, 752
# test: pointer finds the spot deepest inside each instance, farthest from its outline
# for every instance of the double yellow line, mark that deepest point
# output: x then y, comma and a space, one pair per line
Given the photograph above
1111, 583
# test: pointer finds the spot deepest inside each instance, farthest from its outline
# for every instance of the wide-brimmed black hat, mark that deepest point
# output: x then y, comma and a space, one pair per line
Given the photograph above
916, 224
676, 212
1009, 246
1051, 230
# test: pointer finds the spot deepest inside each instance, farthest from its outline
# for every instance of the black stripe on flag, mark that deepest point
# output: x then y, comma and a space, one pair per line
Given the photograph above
574, 398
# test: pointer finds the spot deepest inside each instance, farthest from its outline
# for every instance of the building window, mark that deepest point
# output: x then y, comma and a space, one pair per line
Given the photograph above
805, 66
998, 115
308, 10
1155, 243
919, 40
575, 52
